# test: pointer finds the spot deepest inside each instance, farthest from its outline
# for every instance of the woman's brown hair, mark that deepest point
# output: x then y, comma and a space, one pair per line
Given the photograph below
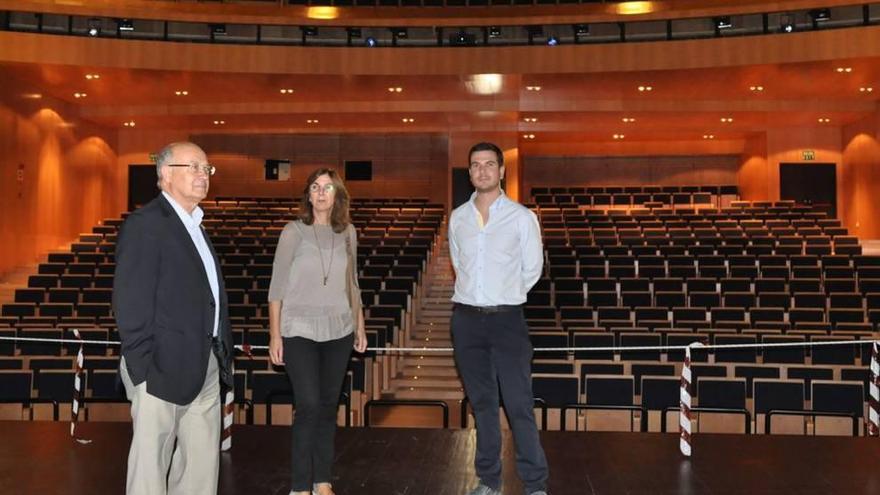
339, 217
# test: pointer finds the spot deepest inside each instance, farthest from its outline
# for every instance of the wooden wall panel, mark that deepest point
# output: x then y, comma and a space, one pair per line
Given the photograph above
753, 171
623, 171
70, 182
403, 165
860, 178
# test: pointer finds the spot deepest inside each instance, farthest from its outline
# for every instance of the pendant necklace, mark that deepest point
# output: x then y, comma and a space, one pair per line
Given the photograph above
326, 274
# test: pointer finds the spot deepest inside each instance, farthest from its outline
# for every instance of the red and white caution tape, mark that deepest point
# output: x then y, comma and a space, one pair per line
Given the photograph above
874, 392
77, 389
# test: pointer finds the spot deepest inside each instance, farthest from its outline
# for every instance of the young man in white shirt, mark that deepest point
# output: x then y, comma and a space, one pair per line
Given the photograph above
496, 251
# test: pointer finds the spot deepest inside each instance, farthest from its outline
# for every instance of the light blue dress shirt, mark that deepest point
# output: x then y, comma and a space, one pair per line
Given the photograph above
193, 224
499, 262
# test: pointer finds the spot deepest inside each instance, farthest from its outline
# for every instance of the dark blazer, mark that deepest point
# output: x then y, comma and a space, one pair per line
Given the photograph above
164, 307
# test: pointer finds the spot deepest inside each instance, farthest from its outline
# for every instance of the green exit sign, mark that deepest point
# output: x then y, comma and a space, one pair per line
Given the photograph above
809, 155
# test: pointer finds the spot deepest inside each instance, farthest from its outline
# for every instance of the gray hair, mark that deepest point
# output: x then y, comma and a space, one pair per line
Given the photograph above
164, 157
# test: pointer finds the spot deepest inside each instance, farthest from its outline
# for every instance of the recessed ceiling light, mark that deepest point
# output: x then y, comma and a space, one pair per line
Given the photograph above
286, 91
408, 120
395, 89
618, 136
130, 123
530, 119
32, 96
645, 88
708, 136
824, 120
756, 88
219, 122
528, 136
533, 88
628, 120
93, 76
181, 92
311, 121
726, 120
844, 69
866, 89
79, 95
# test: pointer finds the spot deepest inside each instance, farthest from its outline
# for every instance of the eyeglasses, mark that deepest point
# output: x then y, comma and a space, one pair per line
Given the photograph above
195, 168
327, 188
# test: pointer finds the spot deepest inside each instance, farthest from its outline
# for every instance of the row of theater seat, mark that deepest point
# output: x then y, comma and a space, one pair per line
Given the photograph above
74, 290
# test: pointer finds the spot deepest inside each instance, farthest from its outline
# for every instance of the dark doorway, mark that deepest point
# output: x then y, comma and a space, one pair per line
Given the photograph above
461, 187
142, 187
811, 184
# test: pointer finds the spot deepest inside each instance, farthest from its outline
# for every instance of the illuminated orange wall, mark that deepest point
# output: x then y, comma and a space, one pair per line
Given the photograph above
753, 171
859, 180
70, 182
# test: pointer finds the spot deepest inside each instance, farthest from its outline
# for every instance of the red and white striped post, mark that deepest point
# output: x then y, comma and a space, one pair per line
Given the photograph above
874, 392
684, 417
77, 389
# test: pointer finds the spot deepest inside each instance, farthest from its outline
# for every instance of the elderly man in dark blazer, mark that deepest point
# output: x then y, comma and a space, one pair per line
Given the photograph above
172, 313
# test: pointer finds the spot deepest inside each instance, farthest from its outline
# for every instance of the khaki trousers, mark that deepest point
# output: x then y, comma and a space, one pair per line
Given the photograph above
155, 465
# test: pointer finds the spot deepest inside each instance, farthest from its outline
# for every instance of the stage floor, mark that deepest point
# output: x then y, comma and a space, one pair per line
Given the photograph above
40, 458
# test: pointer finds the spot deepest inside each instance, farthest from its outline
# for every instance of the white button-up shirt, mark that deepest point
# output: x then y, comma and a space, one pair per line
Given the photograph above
499, 262
193, 224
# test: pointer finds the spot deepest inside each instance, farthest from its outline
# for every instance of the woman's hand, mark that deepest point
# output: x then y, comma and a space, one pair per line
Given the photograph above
360, 336
276, 350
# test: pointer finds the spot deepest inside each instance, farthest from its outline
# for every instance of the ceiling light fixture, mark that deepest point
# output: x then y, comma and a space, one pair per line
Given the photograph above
824, 120
93, 76
756, 88
181, 93
311, 121
528, 136
79, 95
645, 88
628, 120
726, 120
130, 123
533, 88
408, 120
708, 136
219, 122
286, 91
395, 89
530, 119
842, 70
866, 89
618, 136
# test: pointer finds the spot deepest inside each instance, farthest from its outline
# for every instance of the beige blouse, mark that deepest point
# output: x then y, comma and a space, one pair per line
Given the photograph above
311, 308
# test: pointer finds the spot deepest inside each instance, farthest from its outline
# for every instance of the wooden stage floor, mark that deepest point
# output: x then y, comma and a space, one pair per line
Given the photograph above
40, 458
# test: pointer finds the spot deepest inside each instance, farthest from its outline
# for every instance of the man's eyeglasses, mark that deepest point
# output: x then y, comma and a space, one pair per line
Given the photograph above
195, 168
327, 188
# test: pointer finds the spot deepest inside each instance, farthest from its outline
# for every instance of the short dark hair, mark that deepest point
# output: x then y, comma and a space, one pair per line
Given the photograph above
486, 146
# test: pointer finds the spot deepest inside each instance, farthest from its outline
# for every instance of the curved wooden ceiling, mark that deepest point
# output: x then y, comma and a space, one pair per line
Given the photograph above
687, 101
269, 12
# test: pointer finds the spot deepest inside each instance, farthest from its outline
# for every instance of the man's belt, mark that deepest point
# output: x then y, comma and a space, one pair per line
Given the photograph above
488, 310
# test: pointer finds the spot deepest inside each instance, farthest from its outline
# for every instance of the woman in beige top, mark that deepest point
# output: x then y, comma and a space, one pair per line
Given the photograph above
315, 319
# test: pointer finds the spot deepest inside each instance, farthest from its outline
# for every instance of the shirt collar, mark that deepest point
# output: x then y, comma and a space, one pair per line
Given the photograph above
193, 220
499, 202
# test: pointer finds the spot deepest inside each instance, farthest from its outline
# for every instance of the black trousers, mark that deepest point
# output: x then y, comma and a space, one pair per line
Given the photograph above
491, 350
316, 371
